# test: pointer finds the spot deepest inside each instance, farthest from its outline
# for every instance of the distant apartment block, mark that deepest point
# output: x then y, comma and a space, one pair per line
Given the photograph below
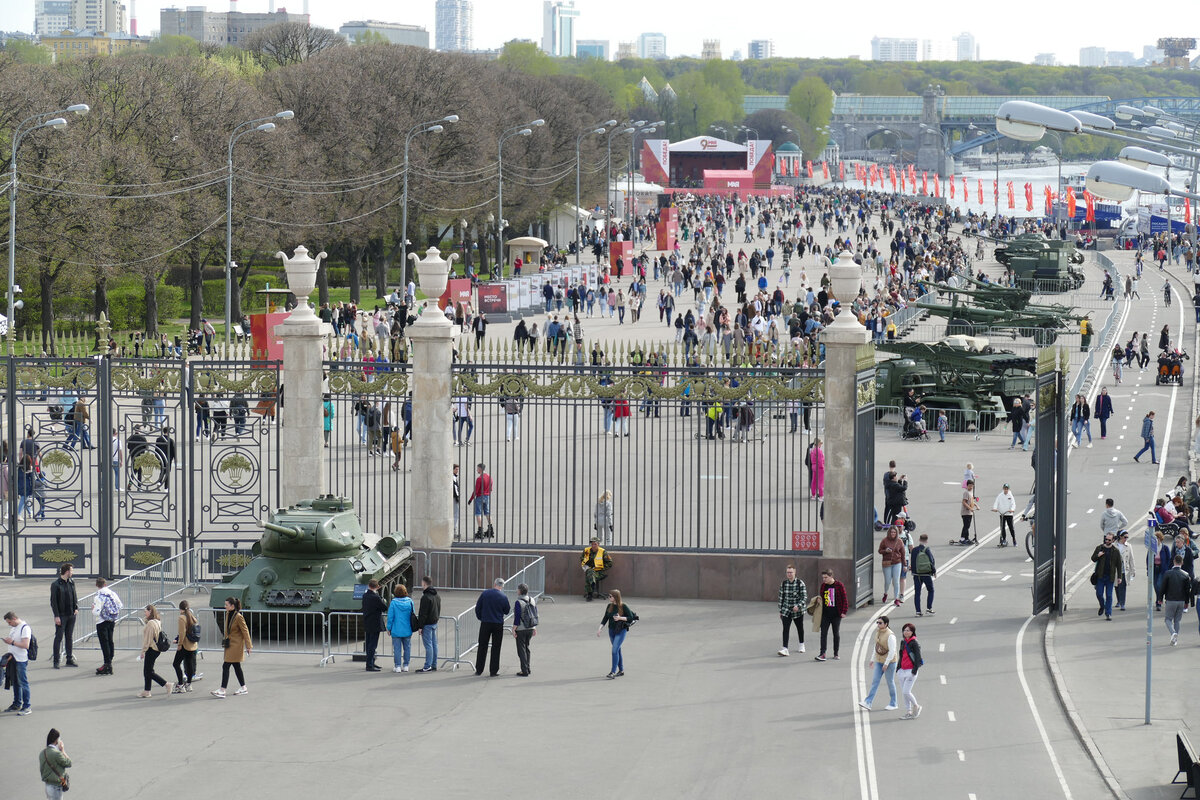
51, 17
220, 27
452, 25
1093, 57
652, 45
592, 48
890, 49
394, 32
965, 47
558, 28
760, 48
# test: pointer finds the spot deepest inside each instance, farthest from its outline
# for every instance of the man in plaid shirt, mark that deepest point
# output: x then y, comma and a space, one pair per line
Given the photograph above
793, 598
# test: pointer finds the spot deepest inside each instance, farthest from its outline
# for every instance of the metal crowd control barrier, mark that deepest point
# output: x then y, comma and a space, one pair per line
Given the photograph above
958, 422
344, 639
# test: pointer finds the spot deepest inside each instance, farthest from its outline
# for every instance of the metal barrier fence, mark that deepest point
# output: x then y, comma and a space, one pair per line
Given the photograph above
958, 422
344, 639
271, 631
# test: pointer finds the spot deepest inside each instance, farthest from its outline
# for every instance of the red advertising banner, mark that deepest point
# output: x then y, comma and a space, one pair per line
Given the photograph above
493, 298
458, 290
806, 540
1029, 197
262, 329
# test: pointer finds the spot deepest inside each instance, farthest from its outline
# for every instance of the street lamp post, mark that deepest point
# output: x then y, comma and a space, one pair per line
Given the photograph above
518, 130
265, 125
52, 119
433, 126
608, 177
632, 149
596, 129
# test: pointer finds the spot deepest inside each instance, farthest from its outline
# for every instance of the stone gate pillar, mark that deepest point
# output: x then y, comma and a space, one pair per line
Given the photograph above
302, 467
432, 457
842, 340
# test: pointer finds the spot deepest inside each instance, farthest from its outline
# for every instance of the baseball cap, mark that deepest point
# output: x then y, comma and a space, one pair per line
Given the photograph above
1006, 486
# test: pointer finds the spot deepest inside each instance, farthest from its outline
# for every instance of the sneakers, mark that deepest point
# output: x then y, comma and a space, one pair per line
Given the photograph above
929, 611
783, 651
71, 662
800, 649
891, 707
404, 668
611, 675
836, 657
13, 707
1174, 639
884, 600
218, 693
620, 673
242, 690
172, 688
863, 704
917, 711
909, 715
143, 694
396, 669
919, 613
423, 670
820, 657
25, 712
897, 602
187, 687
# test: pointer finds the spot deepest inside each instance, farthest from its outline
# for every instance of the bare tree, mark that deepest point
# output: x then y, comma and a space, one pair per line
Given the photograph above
291, 43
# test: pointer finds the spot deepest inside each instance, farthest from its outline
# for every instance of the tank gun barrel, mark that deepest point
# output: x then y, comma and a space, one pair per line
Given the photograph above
290, 533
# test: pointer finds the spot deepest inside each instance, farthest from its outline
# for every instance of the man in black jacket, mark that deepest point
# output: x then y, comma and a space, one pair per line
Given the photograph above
427, 620
895, 492
1177, 593
373, 609
64, 604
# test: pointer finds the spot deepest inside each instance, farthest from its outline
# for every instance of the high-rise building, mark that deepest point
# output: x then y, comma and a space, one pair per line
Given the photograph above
394, 32
711, 50
51, 17
558, 28
760, 48
1120, 58
626, 50
1093, 56
1045, 60
102, 16
966, 48
592, 48
1150, 54
452, 28
219, 27
889, 49
652, 45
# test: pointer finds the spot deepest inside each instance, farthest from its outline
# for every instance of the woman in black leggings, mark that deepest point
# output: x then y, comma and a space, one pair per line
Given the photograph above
185, 649
237, 646
150, 651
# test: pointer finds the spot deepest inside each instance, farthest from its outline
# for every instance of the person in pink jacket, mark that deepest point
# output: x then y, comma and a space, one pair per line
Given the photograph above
816, 484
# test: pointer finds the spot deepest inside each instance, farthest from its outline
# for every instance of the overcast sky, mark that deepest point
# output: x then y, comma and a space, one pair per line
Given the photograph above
1015, 31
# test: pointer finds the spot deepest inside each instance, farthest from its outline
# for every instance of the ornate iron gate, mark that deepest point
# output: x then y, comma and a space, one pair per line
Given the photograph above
864, 476
1050, 483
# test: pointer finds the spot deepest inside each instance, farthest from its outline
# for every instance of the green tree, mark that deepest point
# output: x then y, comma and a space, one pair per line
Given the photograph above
528, 58
28, 52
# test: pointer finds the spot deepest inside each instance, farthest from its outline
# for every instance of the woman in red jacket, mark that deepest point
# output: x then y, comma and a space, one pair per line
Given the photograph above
621, 416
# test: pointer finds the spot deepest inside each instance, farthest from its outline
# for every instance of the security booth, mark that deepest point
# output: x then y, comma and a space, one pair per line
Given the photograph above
527, 248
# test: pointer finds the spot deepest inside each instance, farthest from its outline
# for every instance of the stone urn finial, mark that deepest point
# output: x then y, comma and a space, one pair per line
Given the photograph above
846, 277
302, 279
433, 275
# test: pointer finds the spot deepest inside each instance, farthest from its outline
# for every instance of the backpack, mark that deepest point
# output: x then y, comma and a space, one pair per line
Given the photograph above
110, 609
162, 643
922, 563
529, 615
32, 652
193, 632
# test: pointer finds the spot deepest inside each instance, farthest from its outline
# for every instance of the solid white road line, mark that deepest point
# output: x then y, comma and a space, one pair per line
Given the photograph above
1037, 718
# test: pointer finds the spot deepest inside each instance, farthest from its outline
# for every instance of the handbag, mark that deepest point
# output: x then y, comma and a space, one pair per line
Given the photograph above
63, 780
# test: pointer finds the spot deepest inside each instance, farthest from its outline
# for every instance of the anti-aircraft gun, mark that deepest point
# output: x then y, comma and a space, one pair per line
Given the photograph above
1042, 264
999, 309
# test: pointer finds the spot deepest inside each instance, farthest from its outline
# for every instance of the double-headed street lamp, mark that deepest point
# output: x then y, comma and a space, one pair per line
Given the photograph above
594, 130
518, 130
627, 127
433, 126
51, 119
265, 125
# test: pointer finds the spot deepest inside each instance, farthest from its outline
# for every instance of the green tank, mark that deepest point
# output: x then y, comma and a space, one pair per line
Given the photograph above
314, 556
1041, 264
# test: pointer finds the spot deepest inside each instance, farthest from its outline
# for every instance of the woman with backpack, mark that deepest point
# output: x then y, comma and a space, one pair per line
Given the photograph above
185, 648
910, 662
237, 645
525, 620
150, 640
618, 617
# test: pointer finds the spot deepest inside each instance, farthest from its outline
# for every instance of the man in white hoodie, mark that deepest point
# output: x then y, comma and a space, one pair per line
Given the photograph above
1006, 505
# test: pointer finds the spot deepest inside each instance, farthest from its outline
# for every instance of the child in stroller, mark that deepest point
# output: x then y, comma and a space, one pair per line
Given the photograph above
914, 425
1170, 367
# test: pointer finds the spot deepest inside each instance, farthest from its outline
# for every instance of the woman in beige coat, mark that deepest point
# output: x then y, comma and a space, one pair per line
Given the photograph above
237, 646
185, 650
150, 651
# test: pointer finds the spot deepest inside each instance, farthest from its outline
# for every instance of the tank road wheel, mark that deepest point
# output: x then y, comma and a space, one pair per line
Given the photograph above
1044, 337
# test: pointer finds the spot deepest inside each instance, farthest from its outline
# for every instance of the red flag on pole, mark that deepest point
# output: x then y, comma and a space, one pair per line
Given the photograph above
1071, 202
1049, 202
808, 164
824, 170
892, 175
841, 171
1090, 214
1187, 211
952, 187
1029, 197
925, 183
1012, 201
937, 185
996, 192
980, 187
966, 193
912, 175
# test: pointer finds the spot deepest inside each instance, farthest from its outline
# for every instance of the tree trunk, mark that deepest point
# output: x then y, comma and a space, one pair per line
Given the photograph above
197, 290
355, 264
482, 243
150, 284
383, 263
323, 283
46, 282
100, 305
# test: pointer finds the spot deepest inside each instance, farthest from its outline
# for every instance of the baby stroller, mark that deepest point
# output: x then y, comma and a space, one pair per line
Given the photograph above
1170, 367
902, 516
913, 429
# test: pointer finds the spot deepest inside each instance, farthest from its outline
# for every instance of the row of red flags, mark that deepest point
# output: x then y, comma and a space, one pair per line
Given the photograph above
906, 180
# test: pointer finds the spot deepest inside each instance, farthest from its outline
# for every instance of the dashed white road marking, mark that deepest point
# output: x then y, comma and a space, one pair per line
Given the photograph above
942, 679
950, 716
1072, 525
1005, 578
977, 599
962, 756
942, 647
953, 620
1090, 510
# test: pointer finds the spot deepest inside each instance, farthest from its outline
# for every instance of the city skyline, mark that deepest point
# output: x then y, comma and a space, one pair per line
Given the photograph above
1016, 37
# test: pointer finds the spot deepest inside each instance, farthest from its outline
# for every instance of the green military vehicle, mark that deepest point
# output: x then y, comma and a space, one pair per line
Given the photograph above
1041, 264
313, 556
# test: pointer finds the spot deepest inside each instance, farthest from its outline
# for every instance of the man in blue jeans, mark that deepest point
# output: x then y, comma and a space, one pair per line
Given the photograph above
18, 639
1148, 438
427, 621
1109, 572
